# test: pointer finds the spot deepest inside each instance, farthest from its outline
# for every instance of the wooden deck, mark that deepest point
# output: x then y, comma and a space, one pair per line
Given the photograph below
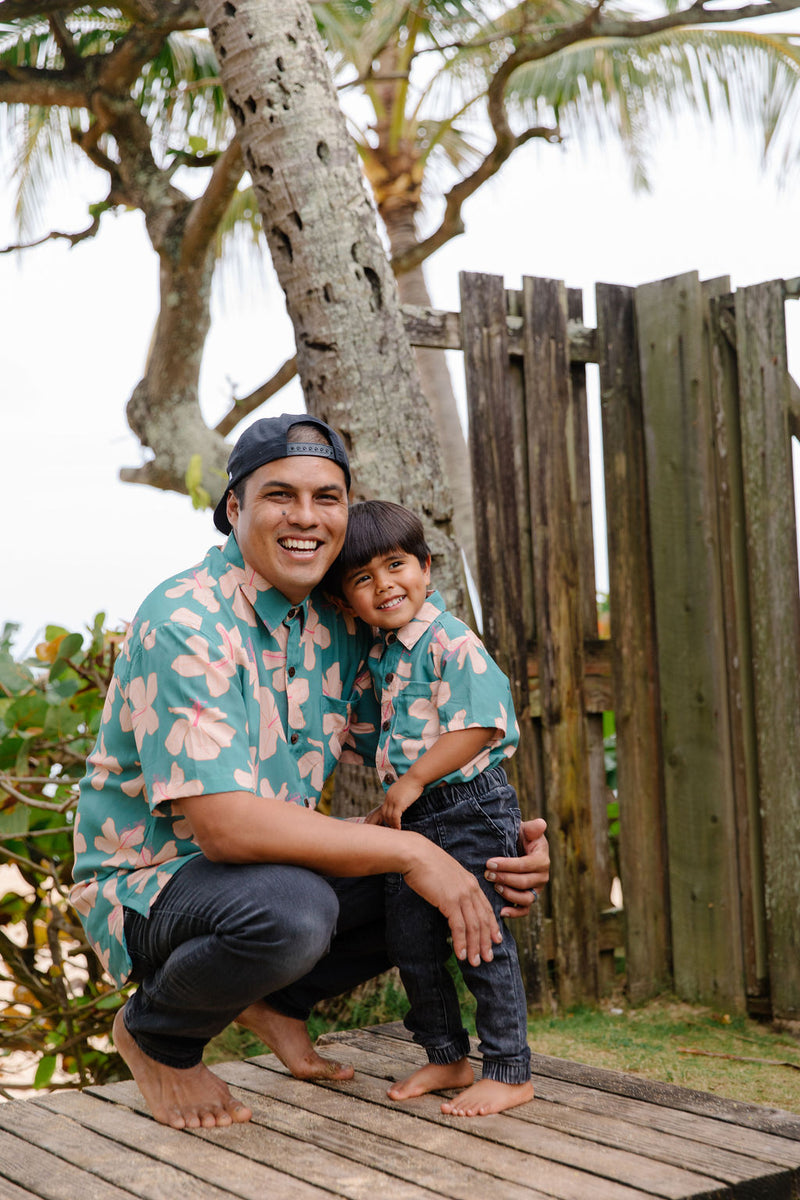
589, 1135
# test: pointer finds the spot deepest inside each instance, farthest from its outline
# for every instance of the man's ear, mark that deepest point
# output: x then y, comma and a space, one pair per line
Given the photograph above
232, 509
427, 568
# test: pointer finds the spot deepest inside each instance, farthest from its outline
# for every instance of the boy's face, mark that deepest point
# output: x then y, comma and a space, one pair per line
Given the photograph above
389, 590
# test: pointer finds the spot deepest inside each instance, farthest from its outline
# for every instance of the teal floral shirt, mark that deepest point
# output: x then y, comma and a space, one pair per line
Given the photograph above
222, 685
433, 676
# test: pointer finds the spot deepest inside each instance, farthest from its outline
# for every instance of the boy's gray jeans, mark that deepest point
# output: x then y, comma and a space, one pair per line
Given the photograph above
221, 936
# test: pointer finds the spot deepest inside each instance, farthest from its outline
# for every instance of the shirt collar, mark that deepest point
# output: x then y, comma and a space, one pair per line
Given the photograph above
269, 603
408, 635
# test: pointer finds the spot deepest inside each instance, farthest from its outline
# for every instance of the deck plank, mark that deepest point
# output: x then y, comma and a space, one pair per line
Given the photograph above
211, 1161
589, 1134
727, 1155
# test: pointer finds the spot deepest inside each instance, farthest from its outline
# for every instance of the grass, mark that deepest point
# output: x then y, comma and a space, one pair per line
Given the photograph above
649, 1040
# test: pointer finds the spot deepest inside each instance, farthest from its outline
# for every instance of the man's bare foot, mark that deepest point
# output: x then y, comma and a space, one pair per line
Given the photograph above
193, 1098
488, 1096
433, 1077
288, 1039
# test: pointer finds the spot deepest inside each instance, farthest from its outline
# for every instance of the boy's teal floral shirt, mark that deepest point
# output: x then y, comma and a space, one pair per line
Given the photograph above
433, 676
222, 685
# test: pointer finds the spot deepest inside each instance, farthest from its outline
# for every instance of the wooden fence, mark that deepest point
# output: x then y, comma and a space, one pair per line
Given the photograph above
701, 669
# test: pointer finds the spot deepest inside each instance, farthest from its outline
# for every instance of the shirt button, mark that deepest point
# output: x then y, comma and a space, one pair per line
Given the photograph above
392, 637
290, 672
390, 677
291, 614
386, 725
294, 739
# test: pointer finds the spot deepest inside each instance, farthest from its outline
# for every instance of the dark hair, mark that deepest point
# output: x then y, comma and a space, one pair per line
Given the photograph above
376, 527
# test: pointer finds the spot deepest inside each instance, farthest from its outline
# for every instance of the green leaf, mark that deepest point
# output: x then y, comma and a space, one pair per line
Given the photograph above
14, 677
44, 1071
15, 821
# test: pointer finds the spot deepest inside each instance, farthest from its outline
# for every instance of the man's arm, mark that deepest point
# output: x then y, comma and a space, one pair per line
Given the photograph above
239, 827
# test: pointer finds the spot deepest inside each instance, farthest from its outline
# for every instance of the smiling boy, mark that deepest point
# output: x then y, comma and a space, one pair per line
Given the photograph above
446, 726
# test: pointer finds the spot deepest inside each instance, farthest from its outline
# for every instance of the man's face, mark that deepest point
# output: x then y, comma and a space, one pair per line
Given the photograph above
292, 523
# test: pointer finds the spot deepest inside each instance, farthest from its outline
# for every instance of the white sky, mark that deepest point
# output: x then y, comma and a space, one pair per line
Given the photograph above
76, 324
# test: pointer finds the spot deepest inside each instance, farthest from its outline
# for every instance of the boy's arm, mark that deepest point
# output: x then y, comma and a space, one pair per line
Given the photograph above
448, 753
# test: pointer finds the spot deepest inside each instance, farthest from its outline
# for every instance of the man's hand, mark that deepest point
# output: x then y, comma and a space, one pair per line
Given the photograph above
516, 879
443, 882
400, 796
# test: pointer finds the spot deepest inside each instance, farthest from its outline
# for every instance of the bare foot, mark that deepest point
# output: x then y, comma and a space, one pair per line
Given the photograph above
488, 1096
433, 1077
288, 1039
193, 1098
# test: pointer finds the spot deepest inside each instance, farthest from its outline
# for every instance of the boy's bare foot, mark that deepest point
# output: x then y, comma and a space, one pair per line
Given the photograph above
288, 1039
433, 1077
488, 1096
193, 1098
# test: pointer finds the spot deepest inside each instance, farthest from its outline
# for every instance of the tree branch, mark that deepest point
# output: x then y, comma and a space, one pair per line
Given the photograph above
209, 208
452, 223
248, 404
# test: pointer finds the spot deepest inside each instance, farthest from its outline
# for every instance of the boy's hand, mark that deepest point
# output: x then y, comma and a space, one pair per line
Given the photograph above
400, 796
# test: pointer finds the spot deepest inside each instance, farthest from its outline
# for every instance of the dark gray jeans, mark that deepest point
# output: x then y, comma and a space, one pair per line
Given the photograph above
221, 936
473, 821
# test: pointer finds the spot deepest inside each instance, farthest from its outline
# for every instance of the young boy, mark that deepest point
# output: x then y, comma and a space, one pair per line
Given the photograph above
447, 723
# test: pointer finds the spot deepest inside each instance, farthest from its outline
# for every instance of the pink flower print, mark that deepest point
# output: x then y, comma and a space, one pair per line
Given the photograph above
141, 695
78, 840
312, 764
174, 788
334, 725
200, 732
270, 726
247, 779
332, 682
217, 670
83, 896
148, 639
275, 660
167, 853
314, 635
427, 712
297, 695
104, 764
121, 847
185, 616
466, 648
265, 789
116, 918
200, 586
133, 787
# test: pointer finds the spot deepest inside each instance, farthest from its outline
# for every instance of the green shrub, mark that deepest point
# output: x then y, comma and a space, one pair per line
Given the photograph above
55, 1001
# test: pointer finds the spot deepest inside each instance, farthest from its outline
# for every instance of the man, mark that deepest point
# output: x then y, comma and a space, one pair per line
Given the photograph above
202, 871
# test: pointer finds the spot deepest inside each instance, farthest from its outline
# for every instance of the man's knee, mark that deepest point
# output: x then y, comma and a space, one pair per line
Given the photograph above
301, 911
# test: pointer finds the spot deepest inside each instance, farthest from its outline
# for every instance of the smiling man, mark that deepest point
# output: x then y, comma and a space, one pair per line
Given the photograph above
202, 871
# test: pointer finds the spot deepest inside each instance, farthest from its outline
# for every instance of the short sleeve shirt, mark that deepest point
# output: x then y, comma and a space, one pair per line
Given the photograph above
433, 676
222, 685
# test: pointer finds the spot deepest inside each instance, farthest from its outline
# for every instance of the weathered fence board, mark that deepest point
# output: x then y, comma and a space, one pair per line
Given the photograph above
559, 635
636, 702
706, 942
502, 556
772, 556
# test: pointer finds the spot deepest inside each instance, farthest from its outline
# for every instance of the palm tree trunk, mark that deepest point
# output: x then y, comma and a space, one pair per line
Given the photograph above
353, 355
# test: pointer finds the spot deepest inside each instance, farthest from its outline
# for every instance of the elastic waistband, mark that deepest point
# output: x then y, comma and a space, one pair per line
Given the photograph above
447, 794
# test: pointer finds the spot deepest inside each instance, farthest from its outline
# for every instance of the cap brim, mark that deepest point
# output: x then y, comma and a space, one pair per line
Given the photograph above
221, 514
